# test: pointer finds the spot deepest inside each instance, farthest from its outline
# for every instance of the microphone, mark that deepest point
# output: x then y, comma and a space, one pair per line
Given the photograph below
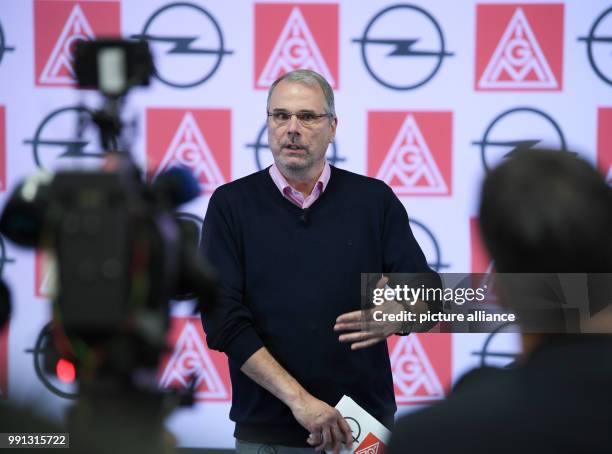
305, 216
176, 186
23, 215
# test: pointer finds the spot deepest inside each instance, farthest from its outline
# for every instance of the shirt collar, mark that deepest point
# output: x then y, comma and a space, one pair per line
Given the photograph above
282, 184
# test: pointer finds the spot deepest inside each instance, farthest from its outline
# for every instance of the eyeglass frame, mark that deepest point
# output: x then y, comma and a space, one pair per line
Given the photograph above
297, 116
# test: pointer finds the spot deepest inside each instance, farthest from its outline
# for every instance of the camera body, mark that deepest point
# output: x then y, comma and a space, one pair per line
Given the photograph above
121, 254
113, 66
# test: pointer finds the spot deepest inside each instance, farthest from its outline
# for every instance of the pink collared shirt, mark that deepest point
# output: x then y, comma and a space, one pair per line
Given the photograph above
295, 196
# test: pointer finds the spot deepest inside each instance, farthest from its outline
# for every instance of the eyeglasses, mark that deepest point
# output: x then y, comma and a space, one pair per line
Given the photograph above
281, 117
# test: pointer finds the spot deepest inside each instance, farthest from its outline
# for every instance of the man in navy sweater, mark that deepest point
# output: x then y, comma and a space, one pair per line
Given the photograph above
290, 243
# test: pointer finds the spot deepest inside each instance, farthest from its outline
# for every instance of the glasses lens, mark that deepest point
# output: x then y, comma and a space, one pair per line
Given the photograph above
306, 118
280, 117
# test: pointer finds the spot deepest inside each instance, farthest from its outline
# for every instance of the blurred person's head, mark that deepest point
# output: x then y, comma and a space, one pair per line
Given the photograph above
545, 211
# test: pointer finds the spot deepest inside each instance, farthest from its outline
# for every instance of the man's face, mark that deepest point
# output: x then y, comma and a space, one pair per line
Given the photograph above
297, 147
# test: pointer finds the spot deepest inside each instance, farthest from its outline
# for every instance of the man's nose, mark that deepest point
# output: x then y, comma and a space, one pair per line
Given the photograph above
294, 124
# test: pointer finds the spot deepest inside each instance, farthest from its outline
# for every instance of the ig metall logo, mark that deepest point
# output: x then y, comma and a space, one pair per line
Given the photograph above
403, 47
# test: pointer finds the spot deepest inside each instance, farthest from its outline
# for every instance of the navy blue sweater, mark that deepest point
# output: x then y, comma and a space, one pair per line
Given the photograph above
286, 274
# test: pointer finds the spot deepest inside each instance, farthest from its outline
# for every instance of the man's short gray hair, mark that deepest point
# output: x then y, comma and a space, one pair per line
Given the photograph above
307, 77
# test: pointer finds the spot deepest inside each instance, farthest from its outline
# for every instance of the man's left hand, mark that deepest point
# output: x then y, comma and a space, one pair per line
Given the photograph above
366, 331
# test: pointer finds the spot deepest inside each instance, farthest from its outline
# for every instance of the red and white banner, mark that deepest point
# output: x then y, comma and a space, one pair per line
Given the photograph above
59, 25
519, 47
295, 36
191, 363
411, 151
422, 366
197, 139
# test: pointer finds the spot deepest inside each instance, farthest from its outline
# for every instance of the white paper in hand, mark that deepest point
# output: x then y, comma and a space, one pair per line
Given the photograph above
369, 435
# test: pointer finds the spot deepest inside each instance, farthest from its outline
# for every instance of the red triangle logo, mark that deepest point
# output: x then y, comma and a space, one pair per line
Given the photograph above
190, 360
295, 48
409, 166
59, 67
370, 445
189, 149
518, 61
414, 377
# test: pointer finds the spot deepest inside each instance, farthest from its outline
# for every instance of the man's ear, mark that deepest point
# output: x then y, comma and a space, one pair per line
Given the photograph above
333, 126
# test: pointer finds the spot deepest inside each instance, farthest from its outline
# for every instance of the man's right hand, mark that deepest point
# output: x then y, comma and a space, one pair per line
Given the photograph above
328, 429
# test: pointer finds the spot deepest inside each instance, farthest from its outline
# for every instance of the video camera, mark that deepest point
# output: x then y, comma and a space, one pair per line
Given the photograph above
121, 253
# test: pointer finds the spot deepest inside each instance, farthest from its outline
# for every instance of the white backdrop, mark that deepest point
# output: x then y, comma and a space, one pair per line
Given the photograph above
428, 93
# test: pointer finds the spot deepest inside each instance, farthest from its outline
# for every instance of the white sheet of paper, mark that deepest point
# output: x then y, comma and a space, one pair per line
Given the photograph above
362, 424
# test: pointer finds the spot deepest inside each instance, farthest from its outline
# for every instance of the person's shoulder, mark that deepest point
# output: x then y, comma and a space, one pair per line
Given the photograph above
240, 186
360, 182
484, 376
492, 399
487, 390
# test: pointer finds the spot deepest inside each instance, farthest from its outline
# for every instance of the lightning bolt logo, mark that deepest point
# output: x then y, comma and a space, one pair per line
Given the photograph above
3, 47
592, 40
408, 52
182, 45
171, 71
404, 47
487, 143
73, 148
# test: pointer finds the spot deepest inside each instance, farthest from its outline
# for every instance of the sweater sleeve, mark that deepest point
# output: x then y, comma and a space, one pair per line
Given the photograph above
228, 322
402, 253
